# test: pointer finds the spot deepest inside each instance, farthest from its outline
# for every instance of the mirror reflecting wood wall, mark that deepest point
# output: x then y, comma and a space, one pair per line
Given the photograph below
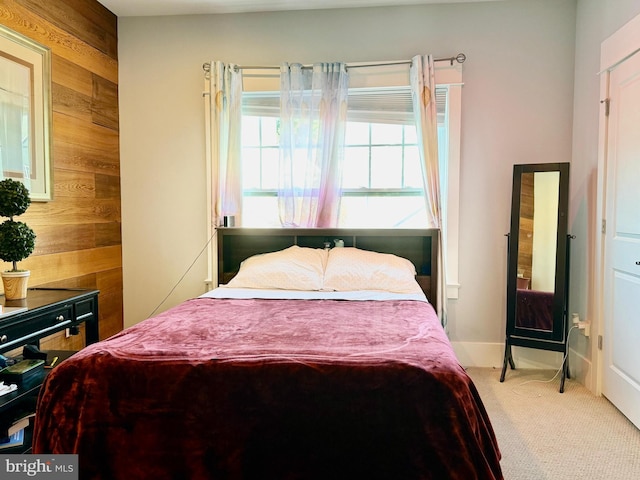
537, 276
537, 248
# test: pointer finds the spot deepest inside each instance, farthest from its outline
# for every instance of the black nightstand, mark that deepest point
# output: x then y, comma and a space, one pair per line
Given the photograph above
42, 313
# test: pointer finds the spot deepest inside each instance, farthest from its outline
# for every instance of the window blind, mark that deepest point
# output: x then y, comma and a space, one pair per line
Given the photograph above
373, 105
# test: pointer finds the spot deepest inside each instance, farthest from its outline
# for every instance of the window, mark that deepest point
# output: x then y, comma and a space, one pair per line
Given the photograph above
382, 179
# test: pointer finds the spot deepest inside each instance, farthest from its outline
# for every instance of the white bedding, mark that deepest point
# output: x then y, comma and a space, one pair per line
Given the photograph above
246, 293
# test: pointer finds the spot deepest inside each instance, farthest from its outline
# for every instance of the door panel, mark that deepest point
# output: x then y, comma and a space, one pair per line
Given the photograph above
621, 348
626, 355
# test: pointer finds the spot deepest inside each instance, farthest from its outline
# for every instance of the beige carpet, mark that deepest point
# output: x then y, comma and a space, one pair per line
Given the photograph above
544, 434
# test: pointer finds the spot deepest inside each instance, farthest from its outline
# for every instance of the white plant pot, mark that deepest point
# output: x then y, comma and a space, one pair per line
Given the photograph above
15, 284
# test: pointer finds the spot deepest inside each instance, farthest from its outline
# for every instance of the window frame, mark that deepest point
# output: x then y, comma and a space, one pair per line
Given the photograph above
451, 77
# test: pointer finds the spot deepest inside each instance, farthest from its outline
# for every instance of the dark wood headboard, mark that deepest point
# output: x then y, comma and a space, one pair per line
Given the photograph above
417, 245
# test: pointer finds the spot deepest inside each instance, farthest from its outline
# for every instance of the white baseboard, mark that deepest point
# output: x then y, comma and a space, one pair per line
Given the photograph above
580, 369
477, 354
491, 355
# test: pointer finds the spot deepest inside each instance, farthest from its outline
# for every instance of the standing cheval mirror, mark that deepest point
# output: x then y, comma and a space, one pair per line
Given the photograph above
538, 262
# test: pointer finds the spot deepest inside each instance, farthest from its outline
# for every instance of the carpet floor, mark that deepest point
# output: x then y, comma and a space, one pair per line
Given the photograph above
544, 434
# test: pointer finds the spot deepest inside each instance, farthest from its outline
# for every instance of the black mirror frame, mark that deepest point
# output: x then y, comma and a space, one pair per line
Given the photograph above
560, 291
555, 339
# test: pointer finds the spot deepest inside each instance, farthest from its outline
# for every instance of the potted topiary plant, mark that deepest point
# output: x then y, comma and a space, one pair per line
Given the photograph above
17, 240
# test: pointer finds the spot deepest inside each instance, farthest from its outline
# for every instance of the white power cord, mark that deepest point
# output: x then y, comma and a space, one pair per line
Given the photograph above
564, 359
184, 274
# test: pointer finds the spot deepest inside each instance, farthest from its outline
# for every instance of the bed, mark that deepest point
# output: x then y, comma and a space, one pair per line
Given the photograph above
254, 382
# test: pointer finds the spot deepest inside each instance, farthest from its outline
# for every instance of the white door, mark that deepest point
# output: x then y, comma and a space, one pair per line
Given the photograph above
621, 305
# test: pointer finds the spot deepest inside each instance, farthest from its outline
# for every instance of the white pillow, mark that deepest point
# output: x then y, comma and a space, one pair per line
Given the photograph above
354, 269
294, 268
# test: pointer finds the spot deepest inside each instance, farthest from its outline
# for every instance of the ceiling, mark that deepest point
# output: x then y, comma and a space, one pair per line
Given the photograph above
141, 8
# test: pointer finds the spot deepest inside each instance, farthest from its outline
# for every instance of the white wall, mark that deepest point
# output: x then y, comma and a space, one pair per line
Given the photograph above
595, 21
517, 108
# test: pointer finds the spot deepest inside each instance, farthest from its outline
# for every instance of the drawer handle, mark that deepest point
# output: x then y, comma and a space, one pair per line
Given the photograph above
60, 318
3, 339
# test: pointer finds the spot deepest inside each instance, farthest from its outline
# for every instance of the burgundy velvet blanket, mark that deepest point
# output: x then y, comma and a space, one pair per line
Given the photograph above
271, 389
534, 309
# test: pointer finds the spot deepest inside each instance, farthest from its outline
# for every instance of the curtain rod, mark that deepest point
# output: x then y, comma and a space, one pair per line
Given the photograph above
460, 58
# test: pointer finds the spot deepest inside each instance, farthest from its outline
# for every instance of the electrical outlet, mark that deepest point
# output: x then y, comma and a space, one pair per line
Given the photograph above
585, 327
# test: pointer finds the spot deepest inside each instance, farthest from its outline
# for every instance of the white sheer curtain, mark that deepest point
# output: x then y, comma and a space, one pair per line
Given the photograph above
423, 89
313, 106
225, 121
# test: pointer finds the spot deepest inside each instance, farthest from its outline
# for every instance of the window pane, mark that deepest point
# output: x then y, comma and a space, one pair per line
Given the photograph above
410, 135
270, 135
386, 167
357, 133
260, 212
412, 168
385, 134
383, 212
250, 168
356, 168
250, 131
270, 170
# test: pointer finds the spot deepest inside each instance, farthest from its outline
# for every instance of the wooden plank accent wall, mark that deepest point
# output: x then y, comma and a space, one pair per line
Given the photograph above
525, 239
78, 240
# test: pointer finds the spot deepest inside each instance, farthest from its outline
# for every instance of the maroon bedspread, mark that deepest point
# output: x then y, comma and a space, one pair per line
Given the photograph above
271, 389
534, 309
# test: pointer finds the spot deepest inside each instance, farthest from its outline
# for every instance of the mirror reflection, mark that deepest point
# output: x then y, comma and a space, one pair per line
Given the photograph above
537, 242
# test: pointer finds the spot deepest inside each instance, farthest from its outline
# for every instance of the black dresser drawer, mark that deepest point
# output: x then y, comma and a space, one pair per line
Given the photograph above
20, 329
85, 310
45, 312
